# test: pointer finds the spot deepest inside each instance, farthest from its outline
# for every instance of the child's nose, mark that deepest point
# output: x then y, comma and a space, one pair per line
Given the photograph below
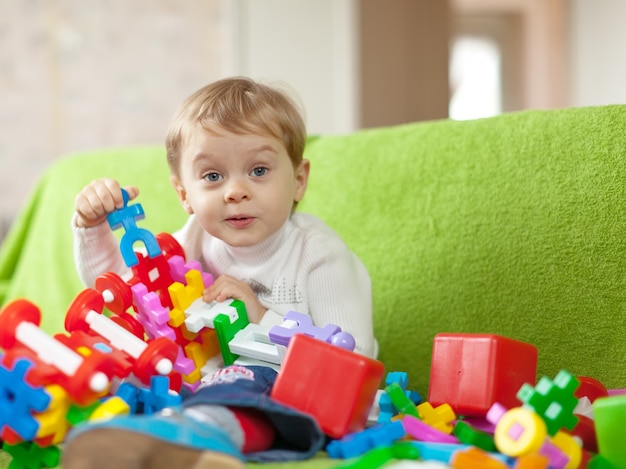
236, 191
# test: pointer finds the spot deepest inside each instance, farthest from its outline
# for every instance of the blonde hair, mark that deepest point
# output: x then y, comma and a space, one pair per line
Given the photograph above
238, 105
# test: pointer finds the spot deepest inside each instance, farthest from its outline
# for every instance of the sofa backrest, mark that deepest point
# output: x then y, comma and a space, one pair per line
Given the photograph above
513, 225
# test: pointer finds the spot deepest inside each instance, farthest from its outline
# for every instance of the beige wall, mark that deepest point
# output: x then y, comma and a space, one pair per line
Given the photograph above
77, 75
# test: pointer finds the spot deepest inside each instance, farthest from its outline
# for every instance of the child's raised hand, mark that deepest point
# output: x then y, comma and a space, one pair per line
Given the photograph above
99, 198
226, 287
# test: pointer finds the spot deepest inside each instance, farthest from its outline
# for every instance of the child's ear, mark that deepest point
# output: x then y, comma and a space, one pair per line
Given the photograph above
302, 179
181, 192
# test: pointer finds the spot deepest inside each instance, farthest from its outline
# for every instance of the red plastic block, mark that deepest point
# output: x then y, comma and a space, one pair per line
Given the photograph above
473, 371
337, 387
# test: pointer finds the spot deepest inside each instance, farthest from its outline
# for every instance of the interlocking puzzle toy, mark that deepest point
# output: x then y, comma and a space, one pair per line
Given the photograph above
150, 358
85, 378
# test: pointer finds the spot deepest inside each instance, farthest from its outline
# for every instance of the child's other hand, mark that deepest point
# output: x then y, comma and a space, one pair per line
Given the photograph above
99, 198
226, 287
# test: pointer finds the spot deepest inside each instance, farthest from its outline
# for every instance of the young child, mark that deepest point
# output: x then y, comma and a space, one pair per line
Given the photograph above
235, 153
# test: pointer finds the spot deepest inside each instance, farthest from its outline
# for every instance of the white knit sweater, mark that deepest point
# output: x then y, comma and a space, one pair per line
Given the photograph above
304, 267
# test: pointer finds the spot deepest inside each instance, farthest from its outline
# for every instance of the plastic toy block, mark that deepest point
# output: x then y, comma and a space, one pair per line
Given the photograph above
554, 400
226, 330
562, 451
129, 393
253, 341
198, 353
298, 323
531, 461
400, 400
380, 456
179, 269
441, 417
20, 400
169, 246
387, 409
313, 370
590, 388
121, 362
114, 406
78, 414
53, 424
154, 273
154, 357
151, 313
374, 458
357, 444
130, 323
609, 416
475, 458
115, 292
183, 295
585, 431
185, 363
440, 452
158, 396
600, 462
28, 455
520, 431
200, 314
126, 218
423, 432
474, 437
83, 377
472, 371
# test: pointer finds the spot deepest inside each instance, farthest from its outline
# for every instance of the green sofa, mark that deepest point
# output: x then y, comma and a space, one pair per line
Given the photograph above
513, 225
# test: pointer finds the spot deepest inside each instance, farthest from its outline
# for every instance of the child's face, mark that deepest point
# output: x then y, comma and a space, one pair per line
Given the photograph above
241, 187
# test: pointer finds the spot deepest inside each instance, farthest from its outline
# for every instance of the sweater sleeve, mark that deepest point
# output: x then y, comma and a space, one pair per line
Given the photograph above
96, 251
340, 293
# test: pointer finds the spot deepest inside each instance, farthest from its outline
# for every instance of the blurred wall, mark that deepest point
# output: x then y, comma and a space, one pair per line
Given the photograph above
76, 75
598, 45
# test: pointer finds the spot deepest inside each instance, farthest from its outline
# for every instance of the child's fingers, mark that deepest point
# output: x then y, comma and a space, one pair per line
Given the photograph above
133, 192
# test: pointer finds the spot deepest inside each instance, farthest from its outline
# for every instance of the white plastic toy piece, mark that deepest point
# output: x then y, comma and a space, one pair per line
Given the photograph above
51, 351
253, 341
124, 340
201, 314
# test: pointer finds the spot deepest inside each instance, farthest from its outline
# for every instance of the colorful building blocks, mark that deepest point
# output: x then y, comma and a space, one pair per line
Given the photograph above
337, 387
554, 401
472, 371
126, 217
150, 358
359, 443
84, 377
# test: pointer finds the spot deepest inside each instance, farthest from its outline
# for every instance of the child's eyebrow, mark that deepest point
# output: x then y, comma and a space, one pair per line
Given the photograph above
262, 149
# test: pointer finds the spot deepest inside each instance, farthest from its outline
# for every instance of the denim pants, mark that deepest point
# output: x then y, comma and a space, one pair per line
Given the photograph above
298, 435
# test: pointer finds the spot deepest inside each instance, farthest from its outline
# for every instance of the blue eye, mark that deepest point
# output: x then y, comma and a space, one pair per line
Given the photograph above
259, 171
213, 177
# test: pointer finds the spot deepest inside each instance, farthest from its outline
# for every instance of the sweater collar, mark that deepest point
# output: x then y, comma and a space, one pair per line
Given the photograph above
264, 250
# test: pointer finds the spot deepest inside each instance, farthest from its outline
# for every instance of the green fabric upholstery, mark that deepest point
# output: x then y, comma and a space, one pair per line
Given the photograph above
513, 225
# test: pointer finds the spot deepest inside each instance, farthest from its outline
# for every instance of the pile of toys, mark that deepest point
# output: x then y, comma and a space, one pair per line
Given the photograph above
482, 412
131, 344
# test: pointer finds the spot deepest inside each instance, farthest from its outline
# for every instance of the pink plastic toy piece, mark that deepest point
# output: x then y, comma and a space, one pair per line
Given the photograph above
151, 313
178, 270
424, 432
